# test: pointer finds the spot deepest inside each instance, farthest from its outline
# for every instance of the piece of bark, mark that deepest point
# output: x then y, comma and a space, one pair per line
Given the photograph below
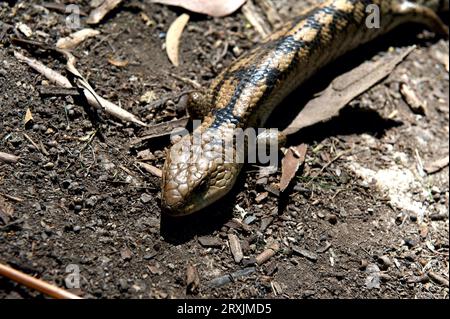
235, 248
192, 280
267, 253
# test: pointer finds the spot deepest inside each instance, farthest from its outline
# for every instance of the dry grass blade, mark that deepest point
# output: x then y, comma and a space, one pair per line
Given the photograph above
173, 38
343, 89
101, 11
208, 7
34, 283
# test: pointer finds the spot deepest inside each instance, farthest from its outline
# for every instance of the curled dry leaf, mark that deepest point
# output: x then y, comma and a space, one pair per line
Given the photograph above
213, 8
73, 40
173, 38
295, 156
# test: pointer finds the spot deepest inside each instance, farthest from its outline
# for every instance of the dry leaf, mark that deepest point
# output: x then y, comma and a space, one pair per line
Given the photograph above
342, 90
208, 7
28, 116
73, 40
99, 13
173, 38
290, 164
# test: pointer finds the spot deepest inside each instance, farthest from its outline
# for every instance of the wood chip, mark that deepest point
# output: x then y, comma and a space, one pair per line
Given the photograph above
292, 160
101, 11
261, 197
192, 280
208, 7
235, 248
8, 158
436, 165
173, 38
438, 279
343, 89
305, 253
75, 39
150, 169
417, 105
208, 241
268, 253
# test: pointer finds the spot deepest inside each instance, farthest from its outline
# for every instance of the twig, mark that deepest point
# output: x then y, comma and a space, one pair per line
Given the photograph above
35, 283
14, 198
328, 164
40, 149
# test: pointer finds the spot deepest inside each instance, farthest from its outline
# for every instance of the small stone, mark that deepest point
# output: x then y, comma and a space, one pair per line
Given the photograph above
76, 228
385, 262
49, 165
332, 219
435, 190
145, 198
125, 254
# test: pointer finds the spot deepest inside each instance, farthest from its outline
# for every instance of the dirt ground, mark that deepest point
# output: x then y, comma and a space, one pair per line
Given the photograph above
372, 224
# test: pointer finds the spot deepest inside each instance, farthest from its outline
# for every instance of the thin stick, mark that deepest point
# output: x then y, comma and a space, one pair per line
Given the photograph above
37, 284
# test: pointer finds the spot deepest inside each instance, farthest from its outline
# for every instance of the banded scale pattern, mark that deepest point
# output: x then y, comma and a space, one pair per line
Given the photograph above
246, 93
